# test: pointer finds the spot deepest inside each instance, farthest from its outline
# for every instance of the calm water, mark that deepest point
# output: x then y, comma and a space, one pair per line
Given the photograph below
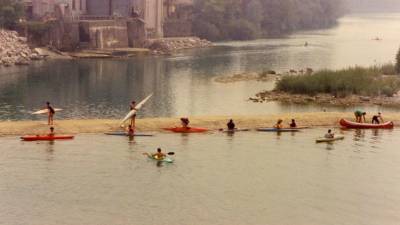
183, 84
249, 178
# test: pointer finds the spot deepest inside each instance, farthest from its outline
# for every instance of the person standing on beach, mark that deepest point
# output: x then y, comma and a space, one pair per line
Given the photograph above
133, 118
50, 113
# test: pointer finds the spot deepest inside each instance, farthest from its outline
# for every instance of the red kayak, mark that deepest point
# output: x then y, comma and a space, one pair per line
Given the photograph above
47, 138
354, 125
187, 129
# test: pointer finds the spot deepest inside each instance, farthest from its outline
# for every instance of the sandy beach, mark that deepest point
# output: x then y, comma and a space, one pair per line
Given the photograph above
317, 119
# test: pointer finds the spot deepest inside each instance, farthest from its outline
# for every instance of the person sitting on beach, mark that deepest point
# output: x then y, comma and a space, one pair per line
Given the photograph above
360, 116
185, 122
50, 114
51, 134
329, 134
231, 125
293, 124
279, 124
131, 132
377, 119
159, 154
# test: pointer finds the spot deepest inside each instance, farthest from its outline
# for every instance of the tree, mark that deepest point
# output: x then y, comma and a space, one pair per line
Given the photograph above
398, 62
10, 12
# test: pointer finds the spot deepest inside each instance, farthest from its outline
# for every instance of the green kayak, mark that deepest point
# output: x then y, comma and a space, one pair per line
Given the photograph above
164, 159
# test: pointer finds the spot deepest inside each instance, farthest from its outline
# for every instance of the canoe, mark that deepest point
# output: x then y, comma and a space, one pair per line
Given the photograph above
126, 134
278, 130
187, 130
349, 124
133, 111
234, 130
47, 138
165, 159
323, 139
45, 111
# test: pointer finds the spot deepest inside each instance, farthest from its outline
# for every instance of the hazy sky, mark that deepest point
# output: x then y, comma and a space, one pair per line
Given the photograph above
374, 5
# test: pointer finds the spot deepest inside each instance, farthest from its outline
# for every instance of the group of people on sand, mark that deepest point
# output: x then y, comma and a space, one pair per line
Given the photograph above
360, 117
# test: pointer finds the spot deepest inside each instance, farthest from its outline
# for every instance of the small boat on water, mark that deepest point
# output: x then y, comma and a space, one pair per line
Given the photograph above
272, 129
353, 125
187, 129
324, 139
47, 137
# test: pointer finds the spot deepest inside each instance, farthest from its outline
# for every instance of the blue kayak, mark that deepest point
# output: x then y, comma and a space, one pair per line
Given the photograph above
278, 130
122, 133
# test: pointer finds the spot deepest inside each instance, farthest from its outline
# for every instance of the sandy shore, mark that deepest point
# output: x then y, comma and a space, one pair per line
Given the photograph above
318, 119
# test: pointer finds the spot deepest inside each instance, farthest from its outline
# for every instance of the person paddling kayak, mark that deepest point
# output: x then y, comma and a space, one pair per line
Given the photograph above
185, 122
279, 124
377, 119
159, 155
231, 125
50, 113
360, 116
329, 134
293, 124
51, 134
131, 131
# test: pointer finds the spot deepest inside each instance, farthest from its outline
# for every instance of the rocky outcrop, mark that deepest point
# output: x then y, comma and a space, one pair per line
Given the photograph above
169, 45
14, 50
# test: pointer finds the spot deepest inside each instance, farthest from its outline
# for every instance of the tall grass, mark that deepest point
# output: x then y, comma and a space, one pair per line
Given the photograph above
355, 80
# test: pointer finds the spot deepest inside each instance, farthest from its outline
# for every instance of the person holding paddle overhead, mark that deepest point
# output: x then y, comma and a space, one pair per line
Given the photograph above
50, 114
133, 118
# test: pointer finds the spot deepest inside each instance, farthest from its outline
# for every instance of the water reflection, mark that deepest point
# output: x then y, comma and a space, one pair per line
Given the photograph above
183, 84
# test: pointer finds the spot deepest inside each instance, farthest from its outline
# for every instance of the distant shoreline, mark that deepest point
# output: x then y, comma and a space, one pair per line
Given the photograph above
99, 126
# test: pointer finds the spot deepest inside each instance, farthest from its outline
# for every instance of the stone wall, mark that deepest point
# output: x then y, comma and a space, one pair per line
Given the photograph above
136, 33
61, 35
177, 28
105, 33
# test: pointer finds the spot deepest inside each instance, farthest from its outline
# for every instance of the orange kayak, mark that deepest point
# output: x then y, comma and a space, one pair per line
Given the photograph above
187, 129
46, 138
354, 125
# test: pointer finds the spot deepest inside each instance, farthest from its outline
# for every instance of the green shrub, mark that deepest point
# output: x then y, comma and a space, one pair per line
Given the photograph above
10, 12
357, 80
398, 62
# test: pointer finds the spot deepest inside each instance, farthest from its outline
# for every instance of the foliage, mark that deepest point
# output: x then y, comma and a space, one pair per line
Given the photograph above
357, 80
239, 20
398, 62
10, 12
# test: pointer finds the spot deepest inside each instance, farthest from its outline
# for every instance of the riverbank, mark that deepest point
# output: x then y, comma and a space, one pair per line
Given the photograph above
316, 119
326, 99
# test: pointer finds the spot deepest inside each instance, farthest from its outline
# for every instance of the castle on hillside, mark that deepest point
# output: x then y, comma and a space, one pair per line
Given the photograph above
108, 23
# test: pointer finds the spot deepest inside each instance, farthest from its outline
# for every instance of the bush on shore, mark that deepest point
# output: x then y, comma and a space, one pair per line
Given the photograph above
340, 83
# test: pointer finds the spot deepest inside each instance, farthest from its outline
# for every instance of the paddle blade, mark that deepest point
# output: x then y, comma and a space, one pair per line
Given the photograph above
171, 153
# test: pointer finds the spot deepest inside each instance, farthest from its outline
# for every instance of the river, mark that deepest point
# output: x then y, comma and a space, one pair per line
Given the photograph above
219, 179
183, 84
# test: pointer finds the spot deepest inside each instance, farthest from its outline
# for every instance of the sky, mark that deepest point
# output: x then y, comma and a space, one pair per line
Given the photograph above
374, 5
